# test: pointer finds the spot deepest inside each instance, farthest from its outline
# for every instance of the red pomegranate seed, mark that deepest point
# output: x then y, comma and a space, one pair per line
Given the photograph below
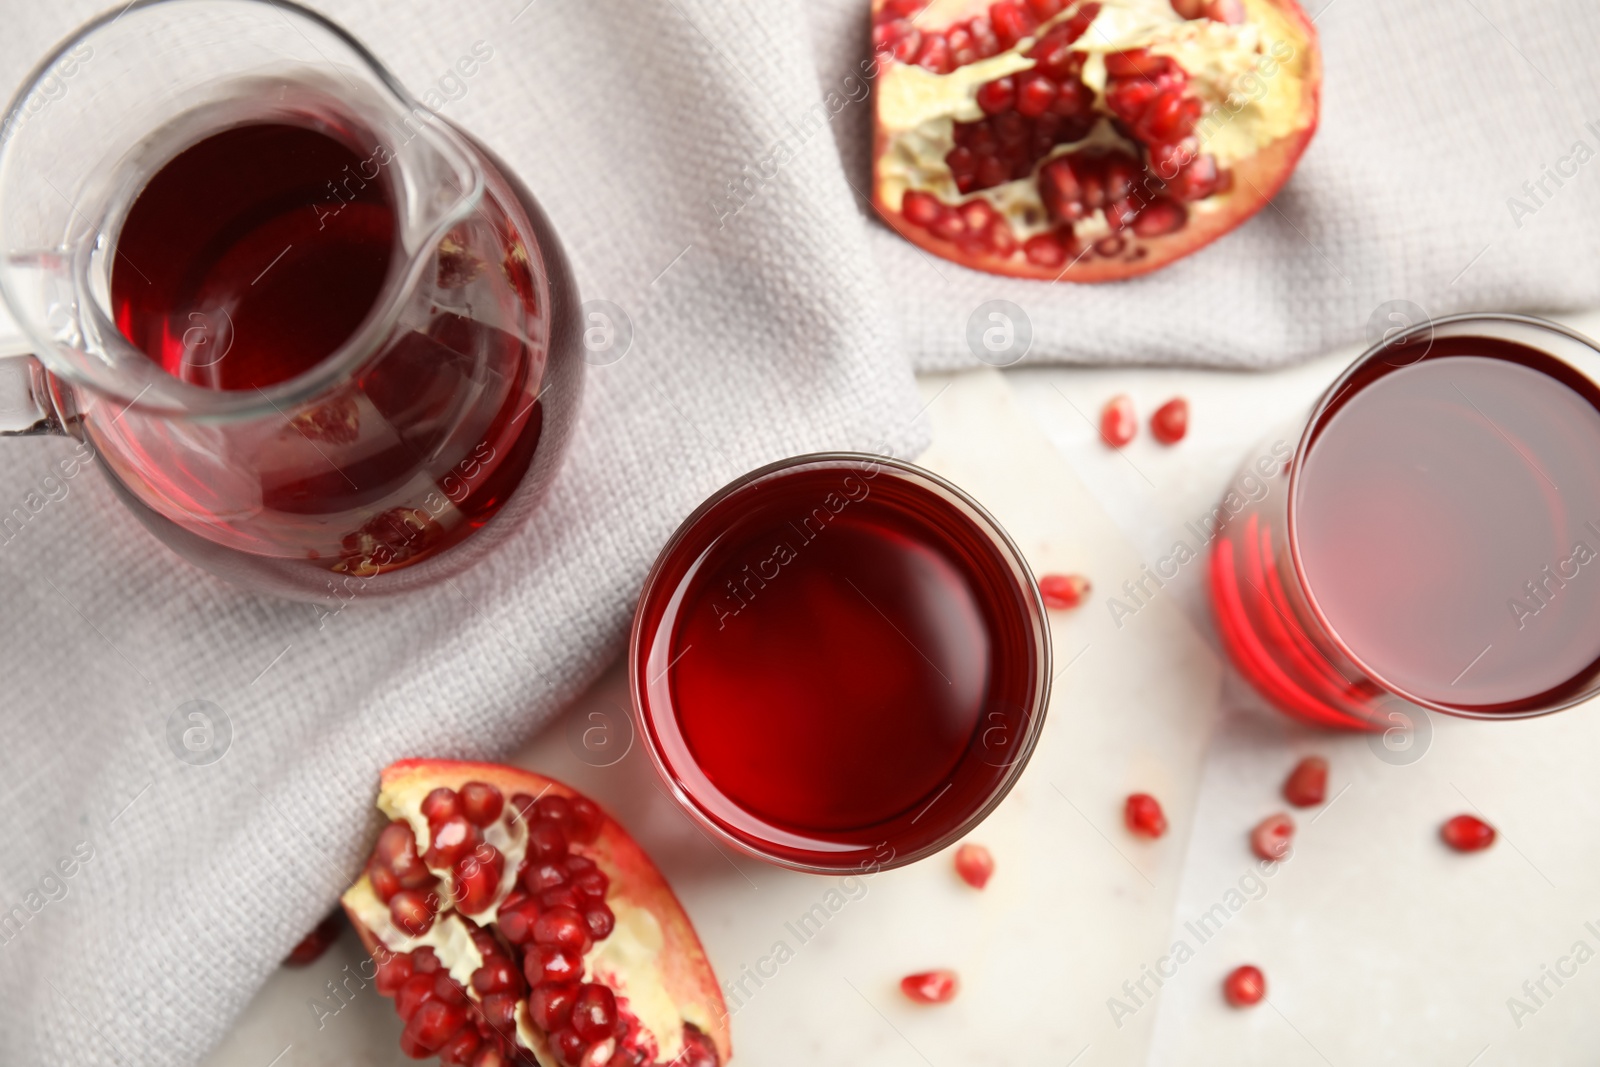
594, 1012
1063, 591
996, 96
424, 961
1307, 784
1011, 21
576, 865
1196, 180
412, 911
935, 54
1136, 63
1118, 423
414, 993
393, 972
433, 1024
477, 879
568, 1046
516, 921
497, 975
448, 989
550, 1004
500, 1011
384, 882
1244, 986
453, 840
975, 865
547, 964
397, 850
314, 944
1272, 837
1171, 420
1161, 216
1000, 238
962, 49
1035, 94
541, 876
922, 209
522, 806
562, 896
1045, 250
1044, 9
930, 987
1467, 833
547, 842
599, 920
556, 809
591, 884
1143, 815
562, 927
481, 803
439, 805
459, 1050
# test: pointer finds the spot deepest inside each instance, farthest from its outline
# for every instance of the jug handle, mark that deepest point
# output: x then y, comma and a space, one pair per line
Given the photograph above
25, 408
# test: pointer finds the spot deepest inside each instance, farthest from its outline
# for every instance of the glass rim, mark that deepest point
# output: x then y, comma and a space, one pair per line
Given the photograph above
1038, 627
1303, 447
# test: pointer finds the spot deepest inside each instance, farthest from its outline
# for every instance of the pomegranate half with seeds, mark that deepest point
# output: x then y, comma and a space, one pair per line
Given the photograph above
1088, 140
516, 925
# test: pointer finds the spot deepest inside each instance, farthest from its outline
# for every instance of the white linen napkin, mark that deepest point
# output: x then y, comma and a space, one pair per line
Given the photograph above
768, 332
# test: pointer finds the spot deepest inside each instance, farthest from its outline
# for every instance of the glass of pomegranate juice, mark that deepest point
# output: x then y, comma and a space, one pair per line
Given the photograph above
319, 340
1434, 540
840, 663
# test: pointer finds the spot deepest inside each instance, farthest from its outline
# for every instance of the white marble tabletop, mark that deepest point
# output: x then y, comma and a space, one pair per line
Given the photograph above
1379, 945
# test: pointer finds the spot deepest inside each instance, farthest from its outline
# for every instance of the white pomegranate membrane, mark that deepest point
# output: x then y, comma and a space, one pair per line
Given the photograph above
1095, 139
504, 940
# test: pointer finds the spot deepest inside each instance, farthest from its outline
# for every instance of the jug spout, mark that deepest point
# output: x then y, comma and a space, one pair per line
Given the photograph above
434, 176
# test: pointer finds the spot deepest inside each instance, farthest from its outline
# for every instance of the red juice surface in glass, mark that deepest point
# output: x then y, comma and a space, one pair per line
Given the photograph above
851, 665
1447, 516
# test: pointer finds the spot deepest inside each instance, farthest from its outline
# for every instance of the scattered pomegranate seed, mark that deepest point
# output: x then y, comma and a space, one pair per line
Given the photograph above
975, 865
1063, 591
1272, 837
1144, 816
1171, 420
1244, 986
314, 944
1467, 833
1118, 424
930, 987
1307, 784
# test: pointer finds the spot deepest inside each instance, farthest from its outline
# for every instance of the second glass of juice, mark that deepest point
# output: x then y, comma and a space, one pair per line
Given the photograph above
1434, 541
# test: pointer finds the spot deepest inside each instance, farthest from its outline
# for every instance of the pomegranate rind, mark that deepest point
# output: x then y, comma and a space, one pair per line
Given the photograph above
681, 964
1256, 178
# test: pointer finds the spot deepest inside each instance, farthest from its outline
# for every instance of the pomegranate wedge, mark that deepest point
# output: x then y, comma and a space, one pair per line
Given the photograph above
515, 923
1090, 140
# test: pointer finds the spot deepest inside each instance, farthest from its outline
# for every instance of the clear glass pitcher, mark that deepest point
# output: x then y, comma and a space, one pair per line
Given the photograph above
319, 340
